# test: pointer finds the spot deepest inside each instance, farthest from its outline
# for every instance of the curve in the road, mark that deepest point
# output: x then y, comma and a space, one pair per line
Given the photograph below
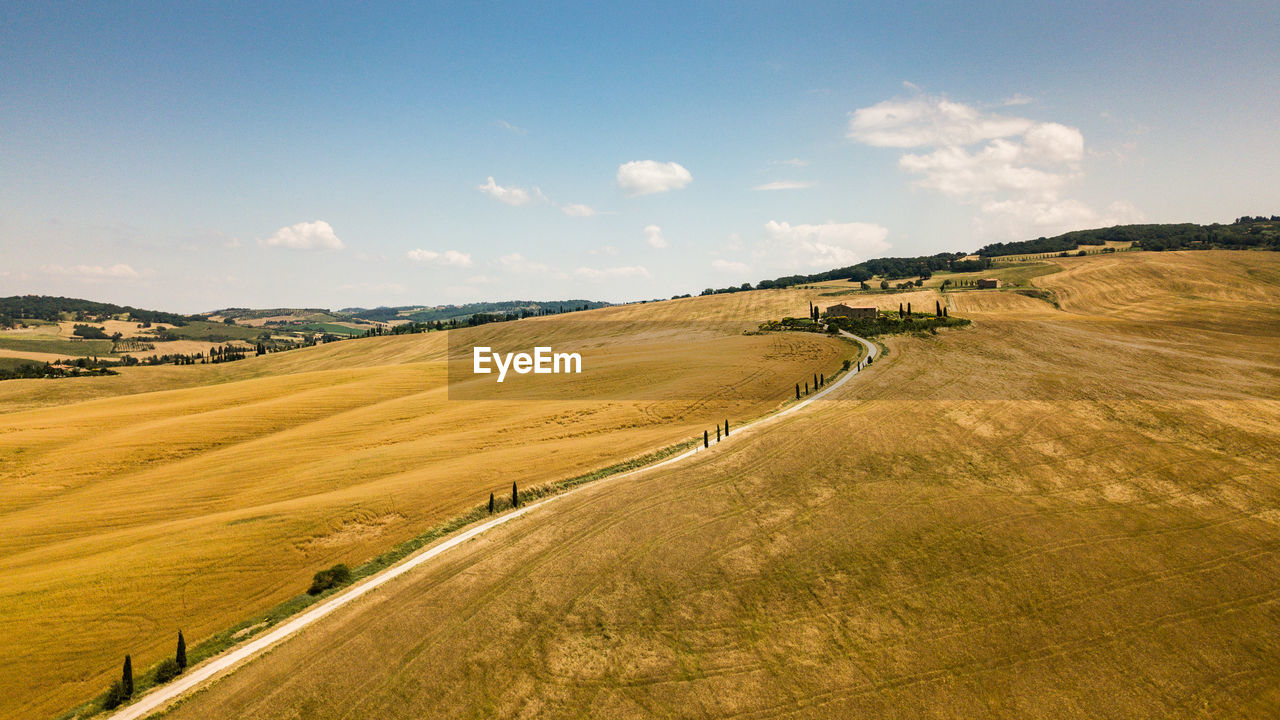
218, 665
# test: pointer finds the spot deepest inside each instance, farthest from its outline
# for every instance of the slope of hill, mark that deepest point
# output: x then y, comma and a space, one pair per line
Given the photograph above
1245, 232
46, 307
195, 497
1055, 513
419, 313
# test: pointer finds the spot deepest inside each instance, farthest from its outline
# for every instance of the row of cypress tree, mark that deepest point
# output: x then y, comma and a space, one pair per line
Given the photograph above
169, 668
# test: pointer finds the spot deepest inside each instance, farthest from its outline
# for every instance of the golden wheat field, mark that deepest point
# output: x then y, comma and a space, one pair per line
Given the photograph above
195, 497
1052, 513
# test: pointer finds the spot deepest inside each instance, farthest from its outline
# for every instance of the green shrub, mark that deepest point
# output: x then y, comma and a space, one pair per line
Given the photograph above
115, 696
167, 670
333, 577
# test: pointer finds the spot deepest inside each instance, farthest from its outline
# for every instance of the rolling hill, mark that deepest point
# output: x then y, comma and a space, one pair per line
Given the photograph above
1054, 513
195, 497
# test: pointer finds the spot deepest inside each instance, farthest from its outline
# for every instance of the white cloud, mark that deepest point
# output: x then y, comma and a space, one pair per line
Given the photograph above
1021, 219
785, 185
317, 235
793, 162
508, 126
929, 121
828, 245
644, 177
1000, 166
612, 273
515, 262
510, 195
577, 210
93, 272
1018, 171
388, 288
606, 250
448, 258
653, 236
1018, 99
730, 266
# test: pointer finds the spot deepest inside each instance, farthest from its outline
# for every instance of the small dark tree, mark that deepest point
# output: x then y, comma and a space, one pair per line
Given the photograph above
706, 439
806, 387
126, 677
937, 308
717, 433
822, 379
726, 428
944, 312
815, 381
797, 391
908, 308
181, 655
901, 313
515, 496
490, 503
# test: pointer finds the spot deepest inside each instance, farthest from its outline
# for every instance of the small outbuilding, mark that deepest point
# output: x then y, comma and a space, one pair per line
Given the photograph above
989, 283
842, 310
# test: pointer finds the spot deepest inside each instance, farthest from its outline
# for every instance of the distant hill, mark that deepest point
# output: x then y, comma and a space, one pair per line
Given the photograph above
419, 313
51, 308
1245, 232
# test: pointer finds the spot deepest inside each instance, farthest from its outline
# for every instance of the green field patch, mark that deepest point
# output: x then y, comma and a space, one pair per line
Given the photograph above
66, 348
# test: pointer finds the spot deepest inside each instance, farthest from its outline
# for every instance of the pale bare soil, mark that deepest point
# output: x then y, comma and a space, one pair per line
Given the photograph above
1052, 513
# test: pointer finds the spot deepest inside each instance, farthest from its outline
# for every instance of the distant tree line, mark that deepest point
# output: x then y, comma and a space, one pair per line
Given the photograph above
507, 309
51, 308
922, 267
1245, 232
80, 367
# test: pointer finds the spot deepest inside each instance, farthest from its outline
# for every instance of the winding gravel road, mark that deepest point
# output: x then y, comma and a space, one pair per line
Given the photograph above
214, 667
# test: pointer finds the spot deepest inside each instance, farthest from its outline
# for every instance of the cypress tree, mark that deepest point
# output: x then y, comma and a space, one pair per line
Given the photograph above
490, 503
806, 387
908, 308
726, 428
126, 678
815, 381
900, 312
181, 655
717, 433
823, 379
944, 312
937, 308
515, 496
797, 391
706, 439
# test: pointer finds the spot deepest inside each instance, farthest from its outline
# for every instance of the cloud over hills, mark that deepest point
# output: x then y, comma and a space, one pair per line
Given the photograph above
646, 177
316, 235
1015, 170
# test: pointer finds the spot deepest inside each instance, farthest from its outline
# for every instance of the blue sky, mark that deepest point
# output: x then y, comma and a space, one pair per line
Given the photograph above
193, 157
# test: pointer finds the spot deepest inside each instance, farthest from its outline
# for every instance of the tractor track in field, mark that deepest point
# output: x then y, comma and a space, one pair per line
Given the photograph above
219, 665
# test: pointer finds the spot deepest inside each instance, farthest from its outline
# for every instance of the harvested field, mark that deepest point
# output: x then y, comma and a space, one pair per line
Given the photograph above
195, 497
1052, 513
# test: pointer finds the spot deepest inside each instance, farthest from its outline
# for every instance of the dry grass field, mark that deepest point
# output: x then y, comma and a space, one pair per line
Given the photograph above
1049, 514
195, 497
